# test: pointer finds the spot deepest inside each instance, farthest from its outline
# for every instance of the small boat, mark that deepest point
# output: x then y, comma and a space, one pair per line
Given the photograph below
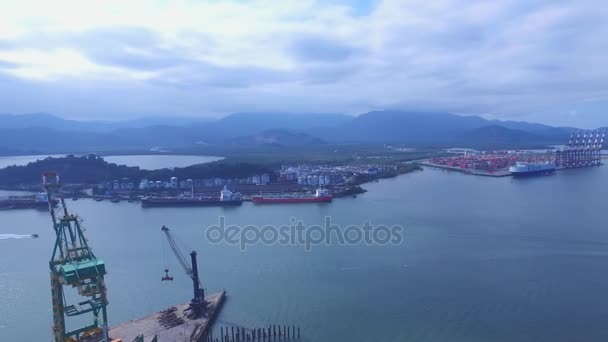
99, 199
115, 200
34, 236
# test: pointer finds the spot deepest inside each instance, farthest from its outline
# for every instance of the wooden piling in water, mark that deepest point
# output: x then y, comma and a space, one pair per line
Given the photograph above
271, 333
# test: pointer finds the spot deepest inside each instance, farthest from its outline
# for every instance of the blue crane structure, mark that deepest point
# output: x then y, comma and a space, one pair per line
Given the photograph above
584, 149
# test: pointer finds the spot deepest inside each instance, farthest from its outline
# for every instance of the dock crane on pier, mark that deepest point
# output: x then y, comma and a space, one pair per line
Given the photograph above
197, 304
73, 265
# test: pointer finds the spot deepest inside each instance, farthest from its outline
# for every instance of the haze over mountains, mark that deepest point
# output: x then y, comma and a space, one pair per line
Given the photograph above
42, 132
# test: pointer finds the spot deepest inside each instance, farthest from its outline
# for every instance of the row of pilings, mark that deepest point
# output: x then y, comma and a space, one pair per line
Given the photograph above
271, 333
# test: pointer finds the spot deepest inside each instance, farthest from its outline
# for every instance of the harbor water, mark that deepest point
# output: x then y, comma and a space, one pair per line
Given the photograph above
482, 259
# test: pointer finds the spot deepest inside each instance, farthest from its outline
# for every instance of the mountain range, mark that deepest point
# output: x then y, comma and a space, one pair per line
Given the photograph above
43, 132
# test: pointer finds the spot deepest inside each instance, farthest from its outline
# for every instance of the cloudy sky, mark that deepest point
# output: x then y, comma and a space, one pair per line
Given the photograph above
544, 61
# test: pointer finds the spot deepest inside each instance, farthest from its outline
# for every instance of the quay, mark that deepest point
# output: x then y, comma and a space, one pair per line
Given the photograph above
497, 173
172, 324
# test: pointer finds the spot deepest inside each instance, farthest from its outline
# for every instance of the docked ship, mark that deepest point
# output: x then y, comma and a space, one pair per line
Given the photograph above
227, 198
39, 201
523, 169
320, 196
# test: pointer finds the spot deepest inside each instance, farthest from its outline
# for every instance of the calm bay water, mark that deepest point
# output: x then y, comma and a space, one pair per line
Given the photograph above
483, 260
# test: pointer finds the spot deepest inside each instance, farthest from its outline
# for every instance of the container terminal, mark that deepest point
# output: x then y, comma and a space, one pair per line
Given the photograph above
584, 149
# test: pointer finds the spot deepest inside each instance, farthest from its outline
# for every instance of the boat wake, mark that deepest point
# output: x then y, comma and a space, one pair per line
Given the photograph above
14, 236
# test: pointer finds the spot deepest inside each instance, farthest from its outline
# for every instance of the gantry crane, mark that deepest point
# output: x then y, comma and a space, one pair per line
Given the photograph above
197, 304
74, 265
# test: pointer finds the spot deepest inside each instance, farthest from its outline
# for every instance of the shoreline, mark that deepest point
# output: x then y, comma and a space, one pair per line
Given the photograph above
351, 189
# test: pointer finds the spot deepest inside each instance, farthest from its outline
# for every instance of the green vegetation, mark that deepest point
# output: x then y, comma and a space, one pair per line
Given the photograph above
218, 169
72, 169
399, 170
92, 169
338, 154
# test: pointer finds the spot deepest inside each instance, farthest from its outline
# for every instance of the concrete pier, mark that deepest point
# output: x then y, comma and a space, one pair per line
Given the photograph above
172, 324
497, 173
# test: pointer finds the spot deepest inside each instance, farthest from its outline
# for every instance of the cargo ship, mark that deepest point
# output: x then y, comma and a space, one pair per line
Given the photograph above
38, 201
227, 198
320, 196
523, 169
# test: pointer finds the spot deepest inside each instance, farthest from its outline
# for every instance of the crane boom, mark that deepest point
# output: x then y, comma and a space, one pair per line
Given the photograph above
198, 301
178, 253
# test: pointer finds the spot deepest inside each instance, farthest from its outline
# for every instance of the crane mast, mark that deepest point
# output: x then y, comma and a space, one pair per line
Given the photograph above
197, 303
73, 265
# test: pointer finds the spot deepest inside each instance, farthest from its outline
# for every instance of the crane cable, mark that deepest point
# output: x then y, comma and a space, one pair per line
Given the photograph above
164, 259
177, 251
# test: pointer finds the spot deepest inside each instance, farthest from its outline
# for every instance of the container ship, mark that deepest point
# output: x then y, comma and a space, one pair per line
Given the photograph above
227, 198
321, 195
522, 169
38, 201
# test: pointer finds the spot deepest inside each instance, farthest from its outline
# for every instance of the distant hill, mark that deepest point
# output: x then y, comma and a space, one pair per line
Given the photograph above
232, 126
491, 136
37, 120
47, 133
424, 128
404, 127
277, 137
47, 140
247, 123
10, 151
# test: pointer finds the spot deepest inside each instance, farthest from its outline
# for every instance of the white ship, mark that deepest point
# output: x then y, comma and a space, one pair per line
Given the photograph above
523, 169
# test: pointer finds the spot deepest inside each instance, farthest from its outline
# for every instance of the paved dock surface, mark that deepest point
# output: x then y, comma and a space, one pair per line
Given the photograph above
497, 173
171, 324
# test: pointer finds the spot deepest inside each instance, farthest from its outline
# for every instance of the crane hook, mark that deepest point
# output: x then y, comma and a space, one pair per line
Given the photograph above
166, 276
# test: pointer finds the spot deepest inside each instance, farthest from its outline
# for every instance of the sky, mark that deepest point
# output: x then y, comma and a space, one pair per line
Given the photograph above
535, 60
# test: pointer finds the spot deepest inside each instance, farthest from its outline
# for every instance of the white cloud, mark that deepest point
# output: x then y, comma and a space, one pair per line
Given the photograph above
506, 58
